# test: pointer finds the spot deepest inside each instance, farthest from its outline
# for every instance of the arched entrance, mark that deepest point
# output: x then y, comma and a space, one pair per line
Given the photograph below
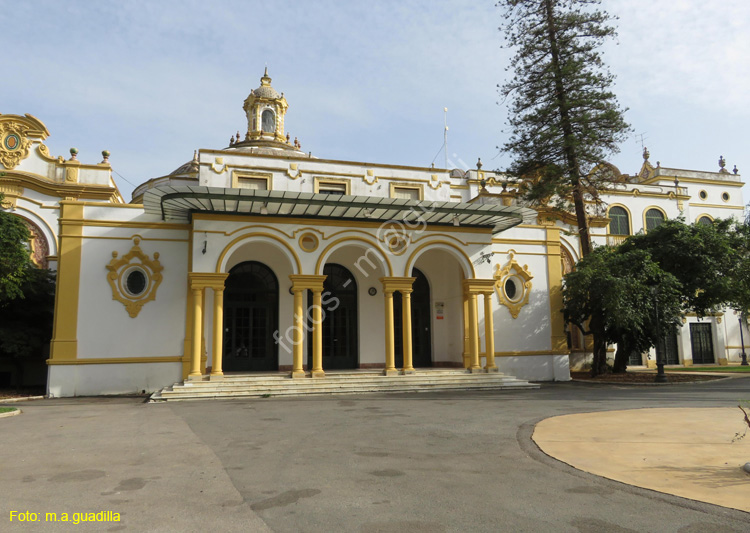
251, 315
421, 327
340, 320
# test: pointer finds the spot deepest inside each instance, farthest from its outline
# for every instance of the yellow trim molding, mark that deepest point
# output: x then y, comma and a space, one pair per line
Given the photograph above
324, 180
408, 186
521, 279
371, 245
528, 353
119, 271
308, 242
418, 252
717, 206
118, 360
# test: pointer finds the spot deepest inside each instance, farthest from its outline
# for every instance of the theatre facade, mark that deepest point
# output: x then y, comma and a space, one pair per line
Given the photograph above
260, 258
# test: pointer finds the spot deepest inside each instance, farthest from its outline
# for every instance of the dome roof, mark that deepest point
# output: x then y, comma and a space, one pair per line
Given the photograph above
190, 167
265, 90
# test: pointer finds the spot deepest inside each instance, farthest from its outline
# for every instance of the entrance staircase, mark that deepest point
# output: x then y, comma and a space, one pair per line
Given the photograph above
337, 382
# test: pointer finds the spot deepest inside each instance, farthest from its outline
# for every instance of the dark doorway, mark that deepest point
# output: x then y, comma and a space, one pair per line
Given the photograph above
702, 344
340, 325
668, 349
251, 316
421, 326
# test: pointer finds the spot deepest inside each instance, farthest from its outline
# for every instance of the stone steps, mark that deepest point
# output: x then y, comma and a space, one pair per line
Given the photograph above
353, 382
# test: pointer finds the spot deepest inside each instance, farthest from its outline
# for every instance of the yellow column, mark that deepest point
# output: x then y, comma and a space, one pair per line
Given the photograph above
467, 331
390, 365
559, 340
64, 344
489, 333
317, 369
406, 321
195, 372
218, 346
473, 334
297, 369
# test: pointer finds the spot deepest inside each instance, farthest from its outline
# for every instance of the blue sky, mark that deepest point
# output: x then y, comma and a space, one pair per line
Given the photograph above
365, 81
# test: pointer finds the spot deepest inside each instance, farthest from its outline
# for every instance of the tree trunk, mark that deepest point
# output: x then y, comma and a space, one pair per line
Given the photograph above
622, 356
599, 364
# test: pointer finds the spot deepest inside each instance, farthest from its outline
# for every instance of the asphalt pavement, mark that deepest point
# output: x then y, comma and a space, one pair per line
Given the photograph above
449, 461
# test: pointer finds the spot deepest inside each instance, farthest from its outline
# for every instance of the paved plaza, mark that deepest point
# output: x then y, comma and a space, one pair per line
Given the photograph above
453, 461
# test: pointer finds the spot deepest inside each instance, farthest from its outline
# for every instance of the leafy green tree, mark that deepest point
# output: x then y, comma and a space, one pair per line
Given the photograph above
26, 323
565, 119
15, 263
635, 300
705, 258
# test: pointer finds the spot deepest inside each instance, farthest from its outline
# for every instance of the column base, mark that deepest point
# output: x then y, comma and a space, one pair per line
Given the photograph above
492, 369
409, 371
196, 377
297, 374
687, 362
477, 370
723, 362
216, 377
651, 363
390, 372
317, 374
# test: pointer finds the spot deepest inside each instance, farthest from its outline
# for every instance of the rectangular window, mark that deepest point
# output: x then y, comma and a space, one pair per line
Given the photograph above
332, 188
406, 193
256, 184
253, 181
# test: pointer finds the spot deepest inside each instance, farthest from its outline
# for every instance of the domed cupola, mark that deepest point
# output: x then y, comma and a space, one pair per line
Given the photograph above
265, 109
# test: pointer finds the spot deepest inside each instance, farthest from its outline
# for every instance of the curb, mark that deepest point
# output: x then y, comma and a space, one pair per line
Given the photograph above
646, 384
12, 400
11, 413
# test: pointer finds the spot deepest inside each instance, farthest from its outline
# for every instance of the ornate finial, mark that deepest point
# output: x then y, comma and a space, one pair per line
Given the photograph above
734, 170
195, 155
479, 164
238, 136
74, 154
646, 154
231, 140
722, 163
266, 79
287, 138
105, 155
658, 164
296, 143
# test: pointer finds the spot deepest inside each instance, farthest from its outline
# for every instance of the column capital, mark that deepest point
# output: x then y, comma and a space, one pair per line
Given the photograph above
392, 284
303, 282
204, 280
478, 285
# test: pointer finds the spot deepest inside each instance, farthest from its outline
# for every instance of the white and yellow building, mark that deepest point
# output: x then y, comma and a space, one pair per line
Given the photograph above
259, 257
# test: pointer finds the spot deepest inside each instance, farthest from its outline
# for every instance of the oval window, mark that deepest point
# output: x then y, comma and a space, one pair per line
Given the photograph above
703, 195
510, 289
135, 282
725, 196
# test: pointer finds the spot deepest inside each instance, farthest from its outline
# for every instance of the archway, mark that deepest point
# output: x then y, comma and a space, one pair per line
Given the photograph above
340, 320
251, 315
421, 326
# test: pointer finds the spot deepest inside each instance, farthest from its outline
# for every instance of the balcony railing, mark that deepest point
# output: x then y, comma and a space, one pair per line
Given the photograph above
615, 240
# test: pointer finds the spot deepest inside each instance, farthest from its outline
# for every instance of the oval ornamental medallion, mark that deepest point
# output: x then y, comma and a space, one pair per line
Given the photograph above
12, 142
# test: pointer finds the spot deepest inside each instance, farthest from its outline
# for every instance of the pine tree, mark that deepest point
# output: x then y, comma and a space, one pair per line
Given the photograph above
564, 116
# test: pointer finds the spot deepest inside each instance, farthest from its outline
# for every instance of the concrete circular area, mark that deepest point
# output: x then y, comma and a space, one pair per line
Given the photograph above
693, 453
